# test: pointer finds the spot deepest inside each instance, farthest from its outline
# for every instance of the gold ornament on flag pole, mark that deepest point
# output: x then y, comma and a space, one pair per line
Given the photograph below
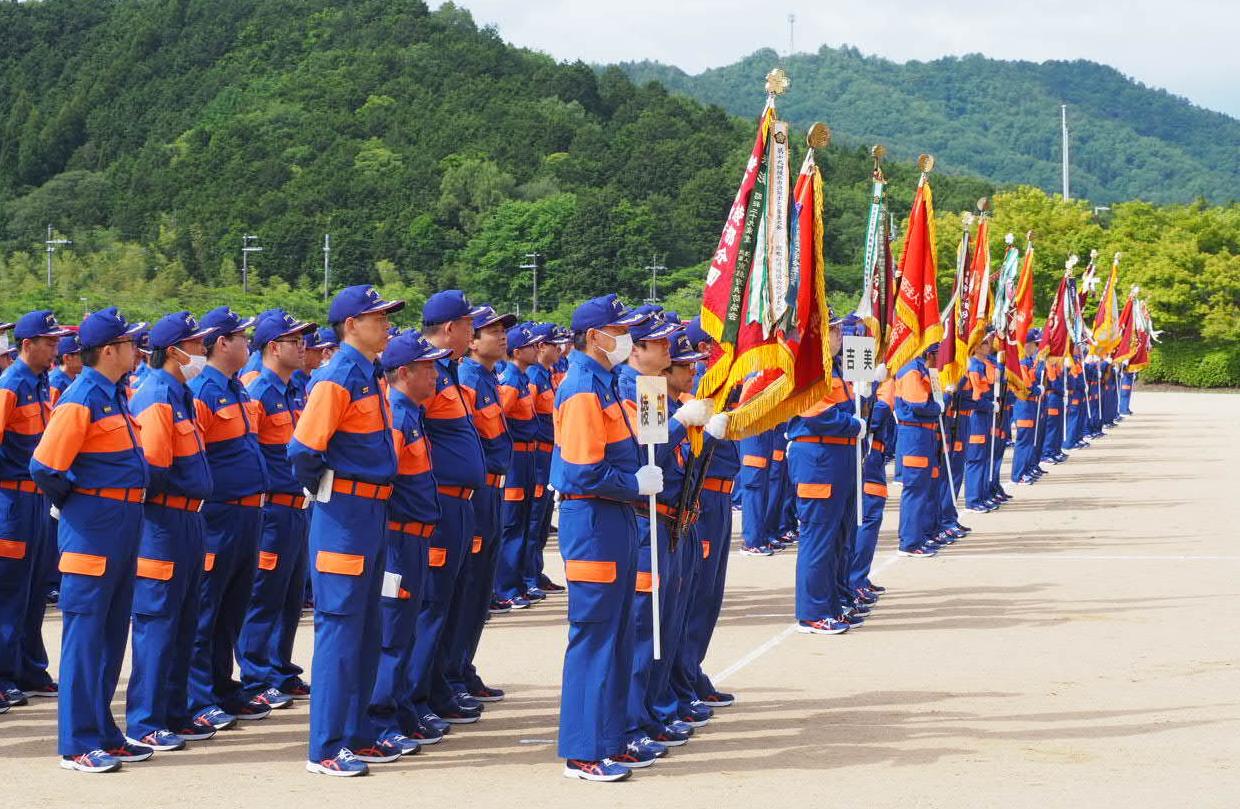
819, 136
925, 163
777, 82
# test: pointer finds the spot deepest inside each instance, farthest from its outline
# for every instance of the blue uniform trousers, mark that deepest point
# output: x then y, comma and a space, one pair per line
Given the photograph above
265, 648
1024, 432
27, 556
598, 663
867, 536
714, 529
231, 542
1052, 418
392, 706
645, 682
977, 459
165, 620
516, 535
347, 546
98, 540
1127, 380
541, 508
442, 595
999, 448
920, 495
755, 488
668, 698
825, 480
465, 623
779, 492
948, 488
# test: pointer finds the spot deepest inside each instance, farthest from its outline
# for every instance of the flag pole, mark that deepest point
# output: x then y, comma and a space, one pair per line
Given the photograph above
654, 563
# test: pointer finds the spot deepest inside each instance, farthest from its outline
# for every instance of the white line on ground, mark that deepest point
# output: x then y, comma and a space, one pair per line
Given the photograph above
1078, 557
772, 642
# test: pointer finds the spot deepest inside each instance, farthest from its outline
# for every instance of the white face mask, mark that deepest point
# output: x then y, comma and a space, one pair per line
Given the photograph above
622, 350
194, 367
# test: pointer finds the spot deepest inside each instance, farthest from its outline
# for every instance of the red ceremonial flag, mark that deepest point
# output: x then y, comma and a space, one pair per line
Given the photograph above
953, 357
916, 324
1020, 322
979, 301
1127, 346
1055, 341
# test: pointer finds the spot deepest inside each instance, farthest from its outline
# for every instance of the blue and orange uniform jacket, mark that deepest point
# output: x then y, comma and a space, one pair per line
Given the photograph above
277, 408
518, 397
252, 368
57, 382
346, 426
544, 421
171, 439
414, 496
1053, 379
25, 407
226, 417
596, 452
915, 407
456, 451
91, 442
882, 438
135, 379
831, 421
559, 370
480, 387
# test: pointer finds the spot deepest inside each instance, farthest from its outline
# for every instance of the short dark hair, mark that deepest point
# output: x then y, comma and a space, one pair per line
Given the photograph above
159, 356
90, 356
432, 329
579, 339
338, 330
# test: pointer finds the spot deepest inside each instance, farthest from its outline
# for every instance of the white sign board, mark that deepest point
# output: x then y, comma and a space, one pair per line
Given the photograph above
936, 387
858, 359
652, 410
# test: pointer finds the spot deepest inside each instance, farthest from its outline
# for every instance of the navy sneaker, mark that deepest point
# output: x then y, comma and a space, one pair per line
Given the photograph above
967, 530
424, 734
296, 688
383, 751
647, 743
467, 702
693, 720
345, 764
670, 738
435, 722
162, 741
4, 704
94, 761
634, 756
602, 770
777, 546
981, 508
487, 694
398, 741
535, 594
920, 551
499, 606
216, 717
519, 603
823, 626
878, 588
761, 550
195, 731
15, 696
251, 710
864, 596
460, 716
860, 609
53, 597
718, 699
130, 752
548, 586
851, 617
48, 690
274, 698
700, 711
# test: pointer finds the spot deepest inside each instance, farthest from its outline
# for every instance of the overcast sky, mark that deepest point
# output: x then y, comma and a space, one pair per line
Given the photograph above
1188, 47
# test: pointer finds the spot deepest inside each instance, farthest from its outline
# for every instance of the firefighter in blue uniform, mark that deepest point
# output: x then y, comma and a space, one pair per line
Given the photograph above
343, 451
265, 647
542, 377
90, 465
27, 554
1052, 414
518, 395
413, 511
980, 390
170, 553
880, 448
1025, 415
917, 415
68, 366
596, 468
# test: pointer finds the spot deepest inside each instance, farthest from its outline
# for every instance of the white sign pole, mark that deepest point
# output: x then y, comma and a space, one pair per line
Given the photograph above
858, 357
652, 418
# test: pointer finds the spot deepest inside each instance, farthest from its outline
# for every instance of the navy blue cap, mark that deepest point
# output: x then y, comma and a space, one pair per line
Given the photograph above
547, 332
325, 337
68, 345
446, 306
40, 323
486, 315
1034, 335
656, 327
223, 321
683, 350
852, 325
175, 328
563, 335
359, 300
6, 326
931, 347
409, 346
522, 336
105, 326
276, 323
695, 332
605, 310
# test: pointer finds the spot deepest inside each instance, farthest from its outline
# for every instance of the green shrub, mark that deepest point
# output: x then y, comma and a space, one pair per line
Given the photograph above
1195, 364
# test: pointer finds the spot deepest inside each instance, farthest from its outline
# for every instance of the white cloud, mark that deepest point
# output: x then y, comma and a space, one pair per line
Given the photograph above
1185, 47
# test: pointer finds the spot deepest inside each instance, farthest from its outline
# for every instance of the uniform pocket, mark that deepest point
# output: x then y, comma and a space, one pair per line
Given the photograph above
337, 583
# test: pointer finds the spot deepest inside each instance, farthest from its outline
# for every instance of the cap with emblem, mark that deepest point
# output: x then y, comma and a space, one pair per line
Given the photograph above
40, 323
486, 315
106, 326
605, 310
1034, 335
695, 332
409, 346
68, 345
275, 324
323, 338
359, 300
176, 328
683, 350
223, 321
657, 327
522, 336
446, 306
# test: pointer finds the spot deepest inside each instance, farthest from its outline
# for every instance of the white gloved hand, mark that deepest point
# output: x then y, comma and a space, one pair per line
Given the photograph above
717, 426
880, 373
860, 427
649, 480
694, 412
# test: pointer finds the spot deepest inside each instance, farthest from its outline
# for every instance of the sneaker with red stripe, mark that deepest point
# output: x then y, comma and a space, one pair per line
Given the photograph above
602, 770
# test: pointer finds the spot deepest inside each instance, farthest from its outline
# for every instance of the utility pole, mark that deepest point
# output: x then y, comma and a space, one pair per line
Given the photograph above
1063, 113
533, 262
246, 249
654, 267
327, 260
51, 248
792, 24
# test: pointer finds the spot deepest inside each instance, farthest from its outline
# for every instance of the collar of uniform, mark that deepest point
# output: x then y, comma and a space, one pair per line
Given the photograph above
92, 377
591, 366
624, 369
273, 379
396, 398
20, 368
169, 380
482, 369
212, 374
350, 354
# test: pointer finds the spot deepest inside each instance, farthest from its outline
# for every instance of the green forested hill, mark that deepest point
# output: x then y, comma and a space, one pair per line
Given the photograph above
998, 119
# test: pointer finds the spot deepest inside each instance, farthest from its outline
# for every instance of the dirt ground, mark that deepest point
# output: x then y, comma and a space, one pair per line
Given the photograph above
1081, 648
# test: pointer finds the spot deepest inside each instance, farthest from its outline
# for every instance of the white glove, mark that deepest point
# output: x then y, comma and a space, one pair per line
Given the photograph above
717, 426
860, 427
694, 412
54, 512
880, 373
649, 480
